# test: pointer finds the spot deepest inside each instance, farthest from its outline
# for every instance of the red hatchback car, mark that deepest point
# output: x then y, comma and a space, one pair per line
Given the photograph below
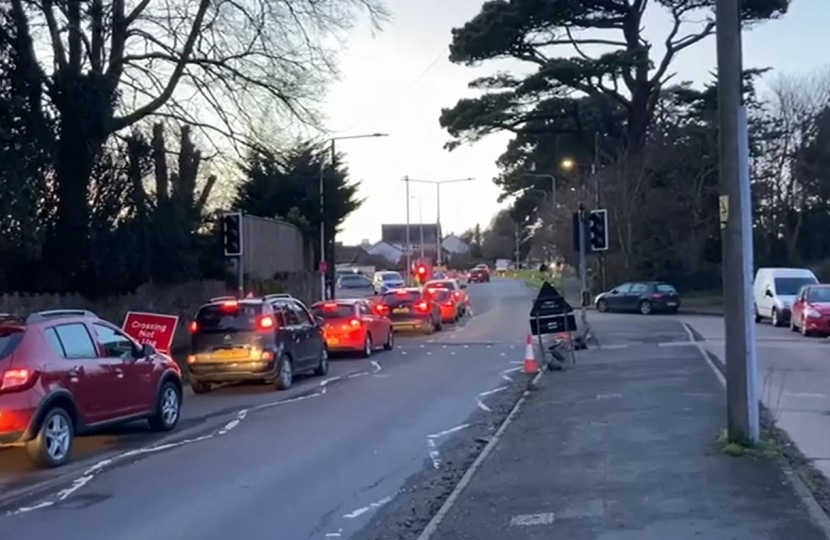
64, 372
811, 311
353, 325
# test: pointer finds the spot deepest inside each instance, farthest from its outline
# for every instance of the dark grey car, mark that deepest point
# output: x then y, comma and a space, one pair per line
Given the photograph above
645, 297
254, 339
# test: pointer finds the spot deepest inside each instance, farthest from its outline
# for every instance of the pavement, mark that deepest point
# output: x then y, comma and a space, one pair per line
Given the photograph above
794, 385
624, 445
314, 462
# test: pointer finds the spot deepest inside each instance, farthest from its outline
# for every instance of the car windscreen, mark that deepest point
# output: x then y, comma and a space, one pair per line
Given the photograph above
788, 286
440, 285
391, 276
401, 297
820, 295
440, 295
665, 288
222, 318
333, 311
10, 338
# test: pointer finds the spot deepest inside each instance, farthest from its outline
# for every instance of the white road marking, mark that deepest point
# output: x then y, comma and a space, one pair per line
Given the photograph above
811, 395
677, 344
609, 396
376, 366
526, 520
45, 504
337, 534
434, 454
506, 377
618, 346
452, 353
517, 361
429, 353
483, 406
503, 354
77, 484
448, 431
493, 391
374, 506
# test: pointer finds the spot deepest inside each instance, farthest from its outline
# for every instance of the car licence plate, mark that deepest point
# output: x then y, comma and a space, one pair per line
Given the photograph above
230, 354
333, 341
400, 310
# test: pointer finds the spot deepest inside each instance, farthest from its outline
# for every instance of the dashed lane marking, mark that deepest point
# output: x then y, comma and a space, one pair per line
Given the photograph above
527, 520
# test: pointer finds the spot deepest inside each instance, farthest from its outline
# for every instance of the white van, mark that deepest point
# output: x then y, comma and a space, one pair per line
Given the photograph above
775, 289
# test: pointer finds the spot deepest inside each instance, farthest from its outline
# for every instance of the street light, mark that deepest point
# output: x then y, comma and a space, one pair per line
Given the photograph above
322, 189
437, 184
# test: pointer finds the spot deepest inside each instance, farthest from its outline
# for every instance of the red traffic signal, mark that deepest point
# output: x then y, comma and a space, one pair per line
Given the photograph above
422, 270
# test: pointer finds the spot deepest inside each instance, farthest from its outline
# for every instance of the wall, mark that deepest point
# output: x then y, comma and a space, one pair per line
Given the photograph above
271, 246
180, 300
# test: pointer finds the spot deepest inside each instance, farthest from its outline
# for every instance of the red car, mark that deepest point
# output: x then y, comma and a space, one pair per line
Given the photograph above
457, 289
65, 372
353, 325
811, 311
411, 309
450, 308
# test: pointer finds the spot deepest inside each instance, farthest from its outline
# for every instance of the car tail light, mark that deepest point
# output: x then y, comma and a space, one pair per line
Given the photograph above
449, 303
658, 295
422, 306
17, 379
230, 305
330, 306
456, 294
381, 309
194, 327
191, 359
266, 322
354, 323
401, 292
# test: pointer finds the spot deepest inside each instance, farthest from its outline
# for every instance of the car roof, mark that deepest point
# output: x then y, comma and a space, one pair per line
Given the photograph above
406, 289
341, 301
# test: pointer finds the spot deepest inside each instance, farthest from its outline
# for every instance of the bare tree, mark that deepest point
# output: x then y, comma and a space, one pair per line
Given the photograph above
107, 64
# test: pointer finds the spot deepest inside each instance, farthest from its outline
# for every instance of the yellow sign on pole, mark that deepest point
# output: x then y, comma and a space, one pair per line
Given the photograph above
723, 205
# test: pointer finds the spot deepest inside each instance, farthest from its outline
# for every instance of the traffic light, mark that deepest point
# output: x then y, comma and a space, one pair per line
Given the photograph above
422, 271
232, 234
597, 223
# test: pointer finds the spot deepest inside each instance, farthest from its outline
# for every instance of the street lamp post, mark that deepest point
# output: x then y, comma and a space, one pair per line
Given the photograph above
322, 190
437, 183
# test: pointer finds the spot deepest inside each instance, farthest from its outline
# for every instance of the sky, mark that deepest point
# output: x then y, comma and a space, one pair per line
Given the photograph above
397, 81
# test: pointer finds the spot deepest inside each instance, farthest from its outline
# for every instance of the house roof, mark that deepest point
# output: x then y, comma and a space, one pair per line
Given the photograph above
348, 254
385, 243
396, 234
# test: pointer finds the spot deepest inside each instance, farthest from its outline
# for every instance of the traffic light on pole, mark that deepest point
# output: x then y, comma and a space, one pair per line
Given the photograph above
232, 234
597, 223
422, 271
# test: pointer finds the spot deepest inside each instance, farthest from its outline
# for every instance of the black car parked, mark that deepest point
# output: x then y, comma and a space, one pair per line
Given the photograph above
254, 339
645, 297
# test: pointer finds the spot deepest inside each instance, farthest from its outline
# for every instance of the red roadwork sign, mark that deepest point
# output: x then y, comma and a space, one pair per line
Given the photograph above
151, 329
322, 267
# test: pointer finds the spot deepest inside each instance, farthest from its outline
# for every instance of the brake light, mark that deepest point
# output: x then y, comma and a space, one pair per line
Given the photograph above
400, 292
354, 323
265, 322
330, 306
422, 306
194, 327
230, 304
381, 309
456, 294
431, 290
17, 379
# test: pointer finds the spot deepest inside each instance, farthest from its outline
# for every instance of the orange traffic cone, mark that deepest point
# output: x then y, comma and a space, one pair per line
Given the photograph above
531, 367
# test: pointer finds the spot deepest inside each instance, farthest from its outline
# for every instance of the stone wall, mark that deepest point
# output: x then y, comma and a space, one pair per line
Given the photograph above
181, 300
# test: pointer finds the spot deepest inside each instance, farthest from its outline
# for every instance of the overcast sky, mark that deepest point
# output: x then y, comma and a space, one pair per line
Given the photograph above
397, 81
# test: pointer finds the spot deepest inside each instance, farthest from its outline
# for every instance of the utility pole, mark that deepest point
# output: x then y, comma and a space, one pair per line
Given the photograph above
421, 228
408, 239
583, 273
735, 216
518, 258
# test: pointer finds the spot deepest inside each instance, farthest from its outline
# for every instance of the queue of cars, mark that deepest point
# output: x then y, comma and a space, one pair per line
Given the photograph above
66, 372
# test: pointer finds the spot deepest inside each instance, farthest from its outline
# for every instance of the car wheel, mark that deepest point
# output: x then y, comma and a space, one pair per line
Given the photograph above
285, 376
200, 387
757, 315
52, 446
776, 319
390, 341
168, 408
322, 368
645, 307
368, 346
602, 306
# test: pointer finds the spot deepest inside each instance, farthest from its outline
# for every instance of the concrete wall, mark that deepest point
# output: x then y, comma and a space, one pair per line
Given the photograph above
180, 300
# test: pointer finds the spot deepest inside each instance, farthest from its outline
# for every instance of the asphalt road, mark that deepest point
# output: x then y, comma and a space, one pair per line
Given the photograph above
315, 462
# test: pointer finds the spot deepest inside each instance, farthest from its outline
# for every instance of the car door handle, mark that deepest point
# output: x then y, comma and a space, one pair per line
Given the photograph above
75, 371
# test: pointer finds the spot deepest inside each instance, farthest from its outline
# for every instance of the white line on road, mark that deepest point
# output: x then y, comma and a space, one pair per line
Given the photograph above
448, 431
376, 366
337, 534
512, 370
612, 347
374, 506
493, 391
483, 406
434, 454
677, 344
609, 396
526, 520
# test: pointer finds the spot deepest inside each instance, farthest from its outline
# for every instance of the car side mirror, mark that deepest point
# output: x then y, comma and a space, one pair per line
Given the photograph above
768, 293
147, 350
319, 320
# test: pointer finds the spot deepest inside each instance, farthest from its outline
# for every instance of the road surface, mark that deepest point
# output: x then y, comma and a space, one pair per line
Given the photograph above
316, 462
